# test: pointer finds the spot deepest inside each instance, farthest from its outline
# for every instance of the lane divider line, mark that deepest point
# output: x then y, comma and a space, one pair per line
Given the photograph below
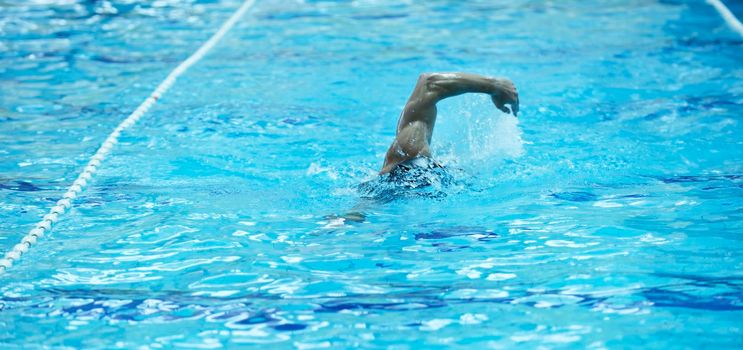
727, 15
65, 203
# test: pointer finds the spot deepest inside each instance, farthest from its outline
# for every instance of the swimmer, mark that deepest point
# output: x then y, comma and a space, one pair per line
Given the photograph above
408, 166
415, 126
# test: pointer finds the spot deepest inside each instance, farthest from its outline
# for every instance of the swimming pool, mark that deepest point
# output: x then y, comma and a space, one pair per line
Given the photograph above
608, 216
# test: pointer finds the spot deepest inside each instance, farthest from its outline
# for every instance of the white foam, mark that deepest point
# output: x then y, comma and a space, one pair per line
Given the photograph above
473, 133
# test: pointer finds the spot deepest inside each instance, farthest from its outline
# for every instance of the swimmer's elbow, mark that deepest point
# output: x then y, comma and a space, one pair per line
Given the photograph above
429, 79
431, 76
435, 84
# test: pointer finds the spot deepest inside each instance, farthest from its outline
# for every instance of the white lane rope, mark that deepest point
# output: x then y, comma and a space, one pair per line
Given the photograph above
86, 175
727, 15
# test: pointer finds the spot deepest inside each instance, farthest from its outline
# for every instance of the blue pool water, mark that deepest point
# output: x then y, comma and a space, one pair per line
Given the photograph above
609, 215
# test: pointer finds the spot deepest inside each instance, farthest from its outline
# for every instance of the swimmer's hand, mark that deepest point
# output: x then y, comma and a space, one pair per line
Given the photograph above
504, 93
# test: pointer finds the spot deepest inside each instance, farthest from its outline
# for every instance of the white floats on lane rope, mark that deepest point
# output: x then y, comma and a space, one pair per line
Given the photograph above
82, 180
727, 15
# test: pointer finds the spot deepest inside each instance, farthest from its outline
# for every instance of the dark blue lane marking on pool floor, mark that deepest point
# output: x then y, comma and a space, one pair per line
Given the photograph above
248, 309
730, 301
699, 178
289, 327
19, 185
575, 196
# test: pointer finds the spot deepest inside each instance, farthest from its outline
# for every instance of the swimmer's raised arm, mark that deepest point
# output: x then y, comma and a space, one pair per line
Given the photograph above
502, 91
415, 127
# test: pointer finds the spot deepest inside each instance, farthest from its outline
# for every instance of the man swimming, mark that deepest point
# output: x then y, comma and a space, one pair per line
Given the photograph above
408, 168
415, 126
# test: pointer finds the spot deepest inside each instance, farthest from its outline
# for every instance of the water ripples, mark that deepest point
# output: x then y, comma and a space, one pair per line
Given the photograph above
247, 210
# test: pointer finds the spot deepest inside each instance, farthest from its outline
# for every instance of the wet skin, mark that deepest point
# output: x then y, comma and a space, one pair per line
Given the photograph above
415, 126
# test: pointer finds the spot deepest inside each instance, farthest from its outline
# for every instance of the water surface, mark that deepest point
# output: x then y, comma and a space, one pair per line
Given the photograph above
609, 215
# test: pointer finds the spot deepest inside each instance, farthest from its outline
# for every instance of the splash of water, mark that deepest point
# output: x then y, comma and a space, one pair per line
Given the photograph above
472, 134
